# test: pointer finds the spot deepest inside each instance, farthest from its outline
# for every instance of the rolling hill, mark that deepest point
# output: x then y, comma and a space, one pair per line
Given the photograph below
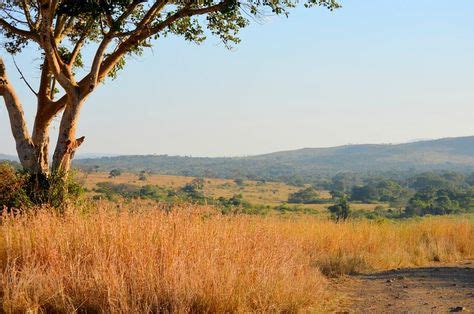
8, 157
442, 154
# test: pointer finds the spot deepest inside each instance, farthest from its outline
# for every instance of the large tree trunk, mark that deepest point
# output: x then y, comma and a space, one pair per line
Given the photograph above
41, 142
67, 142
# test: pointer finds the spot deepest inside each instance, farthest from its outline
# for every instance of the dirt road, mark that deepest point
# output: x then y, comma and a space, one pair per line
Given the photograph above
441, 289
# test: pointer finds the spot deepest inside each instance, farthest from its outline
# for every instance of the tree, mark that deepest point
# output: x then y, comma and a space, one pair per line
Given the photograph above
239, 182
113, 30
115, 173
142, 175
341, 210
378, 190
304, 196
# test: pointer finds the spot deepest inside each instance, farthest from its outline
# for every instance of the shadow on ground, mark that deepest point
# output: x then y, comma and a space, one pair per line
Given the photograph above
463, 275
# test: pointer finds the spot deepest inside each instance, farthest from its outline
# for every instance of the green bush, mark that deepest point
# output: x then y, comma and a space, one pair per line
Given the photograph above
341, 210
20, 190
305, 196
12, 187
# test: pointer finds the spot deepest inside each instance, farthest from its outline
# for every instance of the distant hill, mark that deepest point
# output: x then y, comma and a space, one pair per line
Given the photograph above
8, 157
443, 154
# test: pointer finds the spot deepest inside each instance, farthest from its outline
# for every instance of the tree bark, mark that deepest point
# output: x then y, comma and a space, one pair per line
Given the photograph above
24, 144
67, 143
40, 140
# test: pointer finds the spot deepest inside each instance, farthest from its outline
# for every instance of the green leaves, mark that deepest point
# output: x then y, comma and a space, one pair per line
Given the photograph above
132, 24
94, 8
226, 25
189, 28
66, 56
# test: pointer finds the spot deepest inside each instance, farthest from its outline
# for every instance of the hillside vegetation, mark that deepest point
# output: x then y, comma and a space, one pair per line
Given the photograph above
456, 154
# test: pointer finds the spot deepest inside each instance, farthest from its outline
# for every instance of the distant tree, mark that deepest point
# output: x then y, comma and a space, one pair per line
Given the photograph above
341, 210
115, 173
58, 32
366, 193
239, 182
428, 181
194, 189
142, 175
296, 180
198, 183
440, 202
343, 182
470, 179
304, 196
335, 195
378, 190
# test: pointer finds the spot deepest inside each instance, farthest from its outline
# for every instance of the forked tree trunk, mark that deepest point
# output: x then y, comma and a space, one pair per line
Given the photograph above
33, 152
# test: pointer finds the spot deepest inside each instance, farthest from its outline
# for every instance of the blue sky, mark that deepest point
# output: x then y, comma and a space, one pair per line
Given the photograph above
382, 71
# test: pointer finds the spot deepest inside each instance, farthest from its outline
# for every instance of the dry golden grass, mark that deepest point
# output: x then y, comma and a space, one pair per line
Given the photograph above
113, 260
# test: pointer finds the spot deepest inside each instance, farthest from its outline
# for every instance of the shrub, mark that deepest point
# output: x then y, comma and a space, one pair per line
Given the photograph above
12, 187
115, 173
341, 210
239, 182
305, 196
142, 176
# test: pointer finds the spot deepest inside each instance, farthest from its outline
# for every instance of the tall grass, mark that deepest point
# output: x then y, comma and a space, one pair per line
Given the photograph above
112, 260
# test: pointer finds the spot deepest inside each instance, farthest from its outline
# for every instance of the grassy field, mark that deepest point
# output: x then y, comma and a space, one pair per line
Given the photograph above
256, 193
136, 258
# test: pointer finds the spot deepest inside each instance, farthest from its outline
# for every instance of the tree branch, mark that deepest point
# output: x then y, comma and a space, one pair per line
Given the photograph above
143, 32
20, 132
26, 10
78, 46
23, 77
129, 11
20, 32
48, 43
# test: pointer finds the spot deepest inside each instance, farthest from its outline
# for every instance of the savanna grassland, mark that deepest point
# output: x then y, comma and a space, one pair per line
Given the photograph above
257, 193
144, 255
110, 257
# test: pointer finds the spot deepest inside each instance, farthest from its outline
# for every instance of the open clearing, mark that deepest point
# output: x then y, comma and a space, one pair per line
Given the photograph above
255, 192
436, 289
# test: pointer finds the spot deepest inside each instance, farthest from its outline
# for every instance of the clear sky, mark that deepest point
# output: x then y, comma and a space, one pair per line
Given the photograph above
375, 71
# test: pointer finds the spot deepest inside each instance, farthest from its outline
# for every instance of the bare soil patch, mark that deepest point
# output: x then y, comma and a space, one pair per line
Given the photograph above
436, 289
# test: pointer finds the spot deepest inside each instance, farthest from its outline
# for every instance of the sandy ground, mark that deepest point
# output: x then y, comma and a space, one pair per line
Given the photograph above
440, 289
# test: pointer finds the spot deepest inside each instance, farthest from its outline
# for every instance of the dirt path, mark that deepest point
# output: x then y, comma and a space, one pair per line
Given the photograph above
441, 289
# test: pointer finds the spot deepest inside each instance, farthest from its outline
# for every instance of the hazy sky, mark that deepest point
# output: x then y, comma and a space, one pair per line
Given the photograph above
375, 71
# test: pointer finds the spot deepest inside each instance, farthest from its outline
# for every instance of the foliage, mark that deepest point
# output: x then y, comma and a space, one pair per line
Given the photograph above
189, 193
194, 190
12, 187
20, 190
341, 210
378, 190
440, 202
142, 175
115, 173
305, 196
239, 182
